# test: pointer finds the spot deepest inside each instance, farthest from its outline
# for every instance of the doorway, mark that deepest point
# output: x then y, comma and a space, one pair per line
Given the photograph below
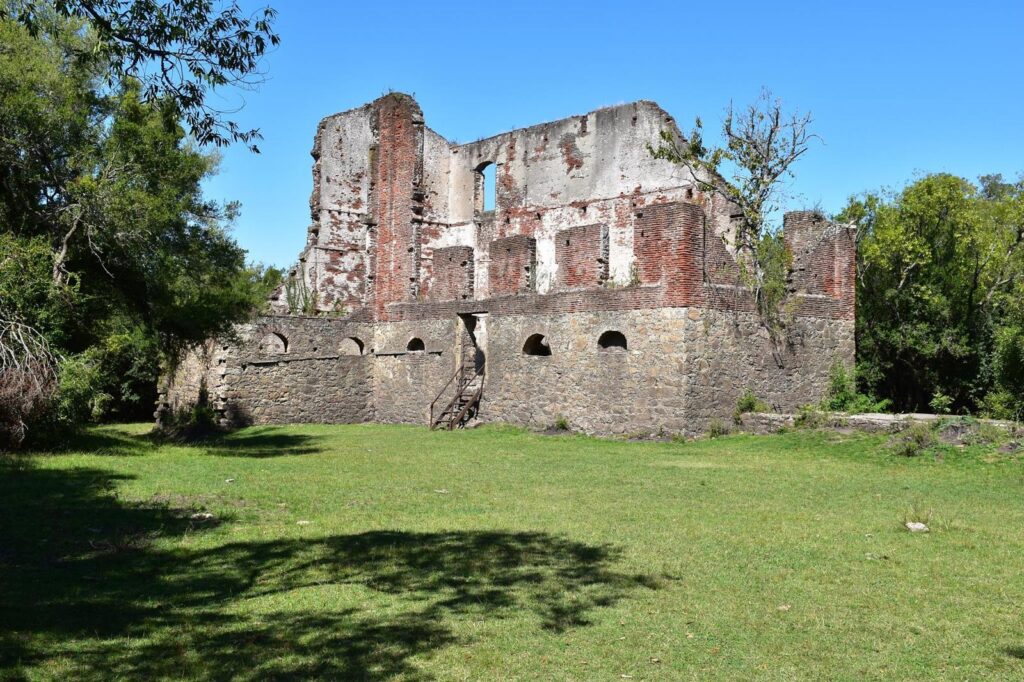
472, 341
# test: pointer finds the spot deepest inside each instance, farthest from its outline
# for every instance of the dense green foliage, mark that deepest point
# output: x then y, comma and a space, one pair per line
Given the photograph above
107, 247
940, 295
178, 52
383, 552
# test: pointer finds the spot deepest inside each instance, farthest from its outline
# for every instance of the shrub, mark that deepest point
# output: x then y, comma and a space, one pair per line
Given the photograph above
986, 433
809, 417
940, 403
1006, 400
915, 440
748, 402
717, 428
562, 424
842, 394
79, 395
1002, 404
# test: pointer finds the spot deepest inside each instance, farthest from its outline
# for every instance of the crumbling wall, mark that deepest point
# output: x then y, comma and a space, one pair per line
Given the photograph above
824, 258
193, 378
589, 234
581, 254
583, 170
452, 274
335, 259
512, 265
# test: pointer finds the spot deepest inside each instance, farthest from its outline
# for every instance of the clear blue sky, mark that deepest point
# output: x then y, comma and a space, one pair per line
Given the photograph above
896, 88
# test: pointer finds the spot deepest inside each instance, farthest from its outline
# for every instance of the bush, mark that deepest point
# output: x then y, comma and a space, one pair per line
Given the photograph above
842, 394
562, 424
748, 402
1002, 404
809, 417
190, 425
940, 403
915, 440
717, 428
79, 396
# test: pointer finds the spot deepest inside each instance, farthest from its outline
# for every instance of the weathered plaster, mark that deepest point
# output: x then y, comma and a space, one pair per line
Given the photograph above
589, 233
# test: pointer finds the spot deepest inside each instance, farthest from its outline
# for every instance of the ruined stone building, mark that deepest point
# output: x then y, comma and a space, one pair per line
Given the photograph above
596, 286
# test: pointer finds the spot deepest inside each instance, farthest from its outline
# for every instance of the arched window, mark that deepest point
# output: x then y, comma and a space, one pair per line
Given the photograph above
273, 344
612, 340
350, 346
537, 344
415, 344
484, 188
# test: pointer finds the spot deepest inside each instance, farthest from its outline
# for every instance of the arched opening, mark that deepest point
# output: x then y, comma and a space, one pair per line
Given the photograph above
273, 344
350, 346
612, 340
537, 344
415, 344
484, 187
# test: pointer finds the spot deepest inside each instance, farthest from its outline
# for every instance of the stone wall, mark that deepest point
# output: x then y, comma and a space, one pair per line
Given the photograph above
730, 352
192, 380
326, 389
681, 369
281, 369
406, 382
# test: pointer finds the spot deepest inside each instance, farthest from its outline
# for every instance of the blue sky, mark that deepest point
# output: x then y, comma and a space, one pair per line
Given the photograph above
895, 88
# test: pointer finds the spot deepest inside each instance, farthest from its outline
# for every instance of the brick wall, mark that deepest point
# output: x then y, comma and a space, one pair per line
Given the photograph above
582, 256
824, 258
451, 274
399, 123
671, 245
512, 262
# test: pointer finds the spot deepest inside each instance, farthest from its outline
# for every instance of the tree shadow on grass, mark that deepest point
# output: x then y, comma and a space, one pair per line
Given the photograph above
256, 442
112, 590
260, 442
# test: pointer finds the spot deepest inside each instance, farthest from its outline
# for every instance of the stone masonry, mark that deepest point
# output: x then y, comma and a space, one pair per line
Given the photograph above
601, 289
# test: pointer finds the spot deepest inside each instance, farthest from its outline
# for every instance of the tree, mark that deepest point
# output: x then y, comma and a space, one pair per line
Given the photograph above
109, 253
940, 277
179, 51
762, 143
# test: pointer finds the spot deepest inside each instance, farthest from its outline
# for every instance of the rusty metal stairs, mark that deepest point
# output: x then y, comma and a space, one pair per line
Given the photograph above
468, 385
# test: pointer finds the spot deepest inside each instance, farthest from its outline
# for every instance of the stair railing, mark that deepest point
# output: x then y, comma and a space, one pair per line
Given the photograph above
459, 374
469, 403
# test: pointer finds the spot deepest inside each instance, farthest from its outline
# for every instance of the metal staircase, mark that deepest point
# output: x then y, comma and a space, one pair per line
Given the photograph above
460, 397
465, 398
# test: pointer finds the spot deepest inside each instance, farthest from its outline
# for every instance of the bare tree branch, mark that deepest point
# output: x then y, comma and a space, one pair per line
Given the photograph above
28, 378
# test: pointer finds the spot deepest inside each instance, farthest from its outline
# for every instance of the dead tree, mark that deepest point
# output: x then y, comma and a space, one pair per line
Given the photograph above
761, 144
28, 379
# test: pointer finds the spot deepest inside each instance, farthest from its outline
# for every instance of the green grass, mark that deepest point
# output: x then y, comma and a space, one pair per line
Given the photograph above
351, 552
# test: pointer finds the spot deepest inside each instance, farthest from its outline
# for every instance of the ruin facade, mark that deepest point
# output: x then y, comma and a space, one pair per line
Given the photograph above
596, 286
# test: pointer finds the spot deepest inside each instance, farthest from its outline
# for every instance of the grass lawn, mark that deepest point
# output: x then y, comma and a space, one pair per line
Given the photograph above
367, 551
